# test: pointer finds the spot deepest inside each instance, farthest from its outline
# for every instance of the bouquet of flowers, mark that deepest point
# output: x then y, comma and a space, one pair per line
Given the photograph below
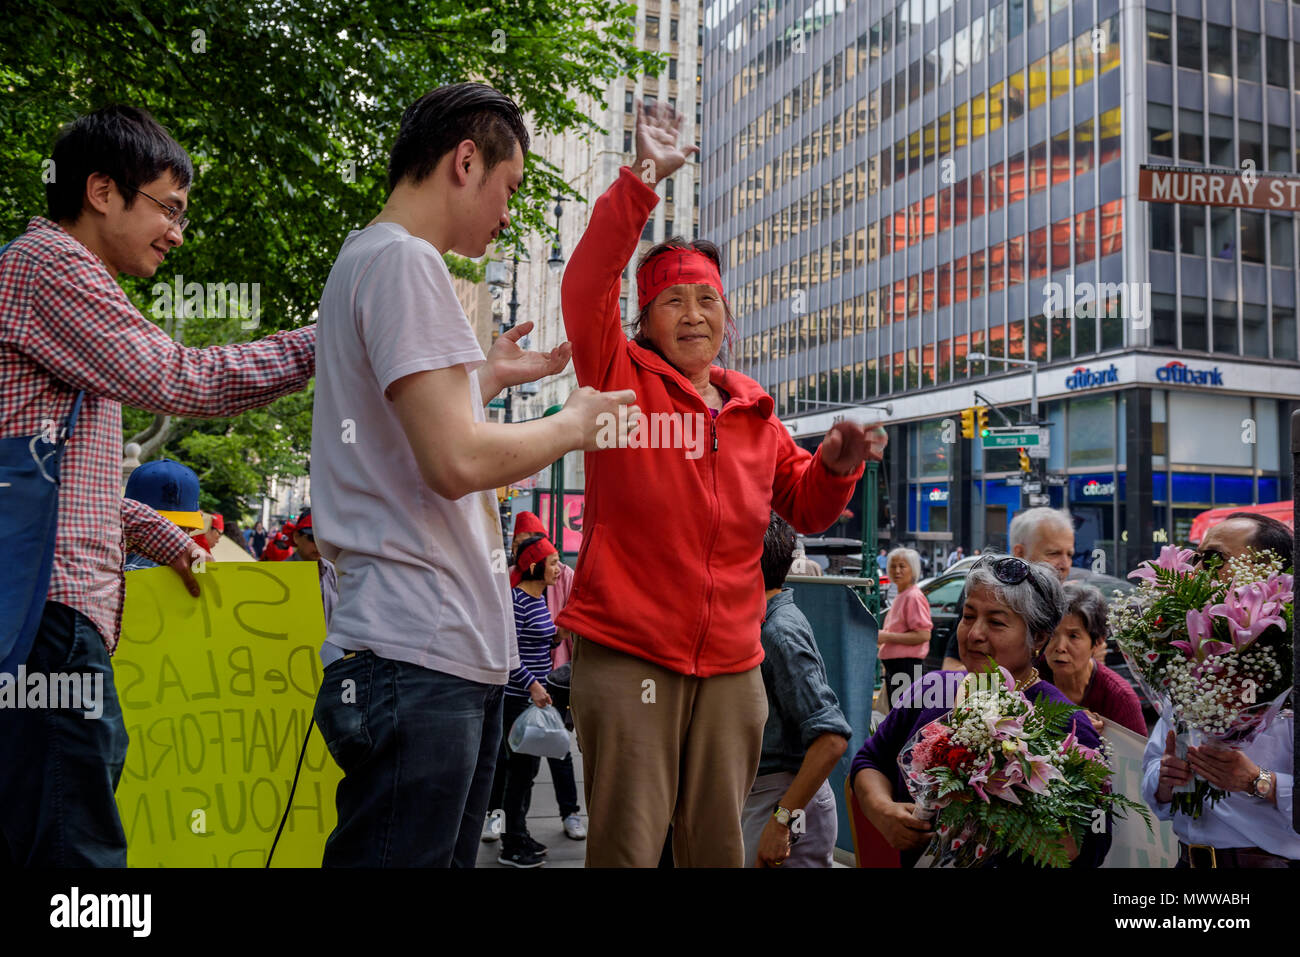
1003, 775
1211, 647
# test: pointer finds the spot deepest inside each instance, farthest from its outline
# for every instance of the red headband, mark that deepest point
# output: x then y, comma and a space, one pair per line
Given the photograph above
534, 553
675, 267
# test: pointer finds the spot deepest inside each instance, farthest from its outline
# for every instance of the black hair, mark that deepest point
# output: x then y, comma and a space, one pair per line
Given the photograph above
708, 249
440, 120
778, 551
1270, 536
122, 142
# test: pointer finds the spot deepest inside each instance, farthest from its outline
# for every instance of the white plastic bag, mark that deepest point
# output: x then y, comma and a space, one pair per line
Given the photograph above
540, 732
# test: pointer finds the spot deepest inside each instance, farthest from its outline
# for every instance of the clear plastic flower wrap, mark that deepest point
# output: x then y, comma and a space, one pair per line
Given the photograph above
1002, 776
1211, 648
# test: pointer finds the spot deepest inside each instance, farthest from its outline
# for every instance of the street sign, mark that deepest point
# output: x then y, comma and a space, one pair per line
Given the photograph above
1010, 440
1037, 500
1039, 451
497, 403
1015, 479
1033, 488
1058, 480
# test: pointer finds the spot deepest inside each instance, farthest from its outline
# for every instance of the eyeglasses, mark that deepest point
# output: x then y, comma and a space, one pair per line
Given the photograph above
175, 216
1201, 557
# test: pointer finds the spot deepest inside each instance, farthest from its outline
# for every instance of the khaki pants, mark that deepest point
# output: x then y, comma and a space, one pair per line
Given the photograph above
662, 748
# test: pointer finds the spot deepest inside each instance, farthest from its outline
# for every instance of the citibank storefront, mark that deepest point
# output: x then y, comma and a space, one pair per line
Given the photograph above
1139, 444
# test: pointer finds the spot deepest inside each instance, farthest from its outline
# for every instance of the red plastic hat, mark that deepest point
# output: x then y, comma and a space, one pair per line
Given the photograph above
674, 267
532, 555
218, 523
526, 523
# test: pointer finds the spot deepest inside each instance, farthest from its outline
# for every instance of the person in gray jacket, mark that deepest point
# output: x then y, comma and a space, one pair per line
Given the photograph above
789, 817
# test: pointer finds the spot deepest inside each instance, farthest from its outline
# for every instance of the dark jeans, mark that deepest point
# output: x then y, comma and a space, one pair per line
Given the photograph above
513, 785
417, 748
562, 776
58, 768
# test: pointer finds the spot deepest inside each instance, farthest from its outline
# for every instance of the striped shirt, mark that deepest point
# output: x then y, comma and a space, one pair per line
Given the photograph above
65, 325
536, 631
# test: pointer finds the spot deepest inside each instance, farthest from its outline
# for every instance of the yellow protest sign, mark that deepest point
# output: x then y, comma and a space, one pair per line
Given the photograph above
217, 693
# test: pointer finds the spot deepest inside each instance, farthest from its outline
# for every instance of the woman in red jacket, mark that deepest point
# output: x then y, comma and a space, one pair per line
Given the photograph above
667, 697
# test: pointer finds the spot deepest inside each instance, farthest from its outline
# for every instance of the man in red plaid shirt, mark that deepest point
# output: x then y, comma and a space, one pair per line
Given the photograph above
116, 205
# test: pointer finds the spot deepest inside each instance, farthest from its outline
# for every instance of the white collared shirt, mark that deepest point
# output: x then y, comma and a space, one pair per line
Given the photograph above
1238, 820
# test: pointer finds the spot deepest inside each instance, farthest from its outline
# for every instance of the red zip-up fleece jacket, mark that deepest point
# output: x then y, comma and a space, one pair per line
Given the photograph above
672, 538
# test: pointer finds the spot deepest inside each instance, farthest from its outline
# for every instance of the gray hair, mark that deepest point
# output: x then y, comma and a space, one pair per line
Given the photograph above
909, 555
1038, 601
1026, 525
1087, 602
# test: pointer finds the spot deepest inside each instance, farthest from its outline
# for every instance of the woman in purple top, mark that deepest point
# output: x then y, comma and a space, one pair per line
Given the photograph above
1012, 608
1069, 664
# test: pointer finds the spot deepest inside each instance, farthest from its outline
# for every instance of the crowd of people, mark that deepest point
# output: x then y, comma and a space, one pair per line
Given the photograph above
700, 701
1022, 611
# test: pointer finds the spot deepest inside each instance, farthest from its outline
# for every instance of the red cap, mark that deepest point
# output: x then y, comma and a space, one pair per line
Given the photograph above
674, 267
526, 523
218, 523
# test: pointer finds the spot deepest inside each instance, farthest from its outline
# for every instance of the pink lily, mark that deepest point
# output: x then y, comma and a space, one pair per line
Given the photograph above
1200, 631
1172, 559
1041, 773
1248, 614
1278, 588
979, 777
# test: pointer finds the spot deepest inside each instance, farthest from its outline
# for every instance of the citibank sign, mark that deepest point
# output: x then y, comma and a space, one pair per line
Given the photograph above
1179, 373
938, 495
1084, 378
1094, 488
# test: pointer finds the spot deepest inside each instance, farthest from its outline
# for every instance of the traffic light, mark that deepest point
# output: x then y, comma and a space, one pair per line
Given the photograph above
982, 420
1024, 461
968, 423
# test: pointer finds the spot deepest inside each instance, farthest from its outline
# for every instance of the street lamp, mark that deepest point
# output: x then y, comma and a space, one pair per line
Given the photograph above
556, 262
1033, 380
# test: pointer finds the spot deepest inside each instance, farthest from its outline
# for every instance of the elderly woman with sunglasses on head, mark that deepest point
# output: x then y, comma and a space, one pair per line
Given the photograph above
1012, 608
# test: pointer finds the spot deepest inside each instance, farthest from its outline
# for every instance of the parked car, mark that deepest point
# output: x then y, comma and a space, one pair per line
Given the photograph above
957, 566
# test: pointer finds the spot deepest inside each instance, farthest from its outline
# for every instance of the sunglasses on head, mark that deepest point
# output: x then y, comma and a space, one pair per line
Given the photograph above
1201, 556
1010, 570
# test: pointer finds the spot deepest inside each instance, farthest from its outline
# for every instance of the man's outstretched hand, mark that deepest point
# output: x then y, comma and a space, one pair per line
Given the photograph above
508, 364
658, 156
847, 444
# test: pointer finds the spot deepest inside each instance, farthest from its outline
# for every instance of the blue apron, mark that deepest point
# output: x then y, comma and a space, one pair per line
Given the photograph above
29, 521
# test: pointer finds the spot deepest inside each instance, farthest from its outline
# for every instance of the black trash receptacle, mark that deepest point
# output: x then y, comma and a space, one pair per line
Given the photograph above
557, 685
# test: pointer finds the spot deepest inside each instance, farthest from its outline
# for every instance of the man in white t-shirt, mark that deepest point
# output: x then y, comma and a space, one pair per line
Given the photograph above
422, 639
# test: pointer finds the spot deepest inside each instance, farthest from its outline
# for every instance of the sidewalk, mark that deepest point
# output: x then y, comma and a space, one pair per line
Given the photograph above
544, 822
545, 826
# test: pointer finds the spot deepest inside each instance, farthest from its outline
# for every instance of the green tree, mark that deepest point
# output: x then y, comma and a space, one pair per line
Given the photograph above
288, 110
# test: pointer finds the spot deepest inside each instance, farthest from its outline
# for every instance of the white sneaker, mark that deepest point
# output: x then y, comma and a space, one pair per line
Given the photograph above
495, 824
574, 829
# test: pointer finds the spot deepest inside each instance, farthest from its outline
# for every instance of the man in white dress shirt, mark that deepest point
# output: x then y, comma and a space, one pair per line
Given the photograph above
1251, 826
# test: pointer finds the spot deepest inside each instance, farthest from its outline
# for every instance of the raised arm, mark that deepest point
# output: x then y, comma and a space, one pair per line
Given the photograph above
811, 490
86, 332
589, 293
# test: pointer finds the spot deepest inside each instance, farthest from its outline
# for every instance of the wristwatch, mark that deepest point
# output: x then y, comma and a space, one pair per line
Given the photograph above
783, 816
1262, 786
